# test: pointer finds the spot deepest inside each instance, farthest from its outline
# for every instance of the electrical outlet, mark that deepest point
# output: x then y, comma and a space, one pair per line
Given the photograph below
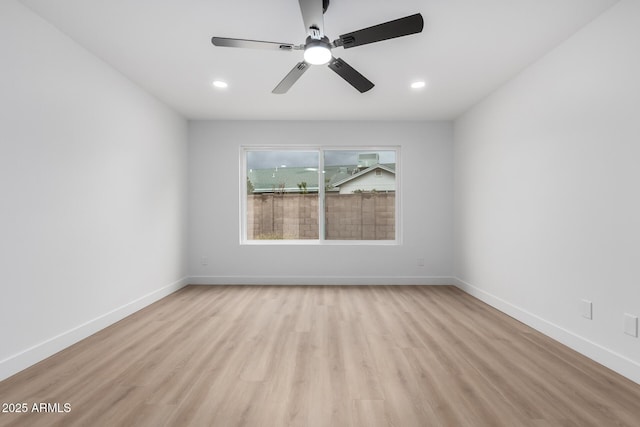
631, 325
587, 309
420, 262
204, 260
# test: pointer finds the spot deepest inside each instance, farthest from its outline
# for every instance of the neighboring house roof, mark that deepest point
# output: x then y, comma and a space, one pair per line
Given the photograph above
287, 179
364, 172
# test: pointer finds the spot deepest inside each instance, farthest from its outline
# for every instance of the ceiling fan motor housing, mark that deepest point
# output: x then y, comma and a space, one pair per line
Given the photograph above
323, 42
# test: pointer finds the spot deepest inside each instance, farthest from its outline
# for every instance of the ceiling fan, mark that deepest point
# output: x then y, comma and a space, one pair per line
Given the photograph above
317, 47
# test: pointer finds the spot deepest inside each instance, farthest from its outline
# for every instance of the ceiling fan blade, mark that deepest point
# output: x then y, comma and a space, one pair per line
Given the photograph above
251, 44
348, 73
389, 30
312, 15
291, 78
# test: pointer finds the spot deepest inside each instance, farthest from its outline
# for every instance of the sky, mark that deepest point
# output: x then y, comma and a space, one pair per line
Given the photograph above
278, 159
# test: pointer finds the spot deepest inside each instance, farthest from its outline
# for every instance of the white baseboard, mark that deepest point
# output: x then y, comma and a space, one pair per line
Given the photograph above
30, 356
612, 360
321, 280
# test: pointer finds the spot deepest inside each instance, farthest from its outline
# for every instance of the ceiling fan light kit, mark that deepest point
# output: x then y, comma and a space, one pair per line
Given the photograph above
317, 47
317, 52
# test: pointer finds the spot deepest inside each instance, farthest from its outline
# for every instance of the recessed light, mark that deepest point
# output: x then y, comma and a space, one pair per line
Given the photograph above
220, 84
418, 84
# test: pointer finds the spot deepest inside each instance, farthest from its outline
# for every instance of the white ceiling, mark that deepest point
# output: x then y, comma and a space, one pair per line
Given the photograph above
467, 49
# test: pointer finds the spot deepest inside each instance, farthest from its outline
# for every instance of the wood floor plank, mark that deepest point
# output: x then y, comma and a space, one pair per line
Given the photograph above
369, 413
356, 356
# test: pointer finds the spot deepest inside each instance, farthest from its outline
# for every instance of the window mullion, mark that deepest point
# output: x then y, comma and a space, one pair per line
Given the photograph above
321, 209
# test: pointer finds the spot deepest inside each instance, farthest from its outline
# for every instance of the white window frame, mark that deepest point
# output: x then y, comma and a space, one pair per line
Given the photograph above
321, 193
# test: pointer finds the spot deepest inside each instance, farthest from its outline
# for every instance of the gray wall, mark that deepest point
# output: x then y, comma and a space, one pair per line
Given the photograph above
426, 188
92, 185
547, 185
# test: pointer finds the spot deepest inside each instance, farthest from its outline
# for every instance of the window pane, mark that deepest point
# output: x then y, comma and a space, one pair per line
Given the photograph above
282, 195
360, 195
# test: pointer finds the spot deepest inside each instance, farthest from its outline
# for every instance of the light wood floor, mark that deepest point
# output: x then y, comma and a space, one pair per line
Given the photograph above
322, 356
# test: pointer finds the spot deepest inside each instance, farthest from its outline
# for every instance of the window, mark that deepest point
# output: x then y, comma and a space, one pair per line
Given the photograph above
319, 195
